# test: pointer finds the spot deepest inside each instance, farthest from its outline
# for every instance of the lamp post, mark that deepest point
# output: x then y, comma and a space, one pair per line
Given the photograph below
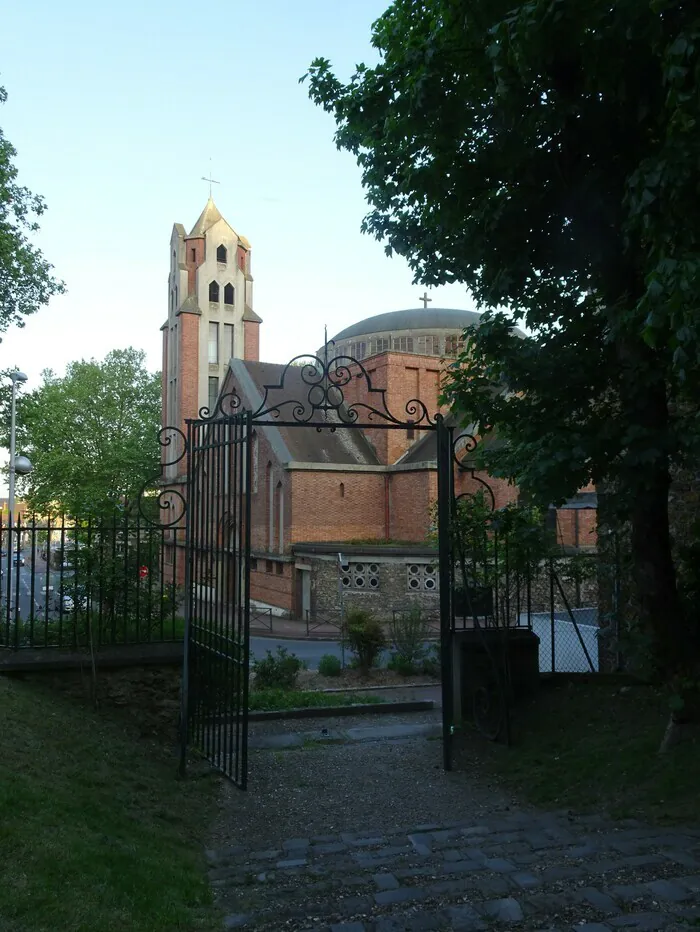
18, 464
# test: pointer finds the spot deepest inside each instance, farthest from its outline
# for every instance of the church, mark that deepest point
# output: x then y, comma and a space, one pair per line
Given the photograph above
337, 517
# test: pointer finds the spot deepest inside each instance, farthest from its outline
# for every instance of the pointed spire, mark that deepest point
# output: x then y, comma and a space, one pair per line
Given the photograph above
208, 217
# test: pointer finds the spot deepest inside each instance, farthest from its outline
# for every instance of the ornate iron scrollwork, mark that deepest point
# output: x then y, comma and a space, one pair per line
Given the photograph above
324, 391
167, 503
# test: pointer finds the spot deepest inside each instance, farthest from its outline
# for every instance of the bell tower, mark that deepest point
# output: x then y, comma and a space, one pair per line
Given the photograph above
210, 314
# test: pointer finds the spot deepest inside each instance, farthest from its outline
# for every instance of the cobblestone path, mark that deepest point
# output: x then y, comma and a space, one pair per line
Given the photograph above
476, 866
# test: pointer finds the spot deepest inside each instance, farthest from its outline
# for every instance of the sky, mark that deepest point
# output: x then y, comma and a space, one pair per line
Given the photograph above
118, 110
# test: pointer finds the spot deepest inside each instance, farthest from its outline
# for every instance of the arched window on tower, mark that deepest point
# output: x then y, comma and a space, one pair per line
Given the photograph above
214, 292
228, 293
221, 253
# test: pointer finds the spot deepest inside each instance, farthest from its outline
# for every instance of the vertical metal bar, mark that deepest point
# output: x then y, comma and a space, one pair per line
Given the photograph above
189, 516
60, 580
17, 530
101, 542
47, 581
161, 574
234, 724
32, 598
125, 561
247, 451
112, 578
137, 574
445, 495
551, 611
229, 576
88, 588
217, 531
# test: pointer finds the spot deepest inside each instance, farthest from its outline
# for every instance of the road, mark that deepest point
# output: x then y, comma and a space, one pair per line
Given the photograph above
308, 651
32, 596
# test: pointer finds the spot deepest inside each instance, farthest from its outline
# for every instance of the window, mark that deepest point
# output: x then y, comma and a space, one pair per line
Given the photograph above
403, 344
221, 253
359, 576
280, 569
213, 392
380, 345
214, 292
228, 294
253, 565
453, 345
429, 345
168, 553
194, 254
213, 342
268, 566
342, 490
228, 342
422, 577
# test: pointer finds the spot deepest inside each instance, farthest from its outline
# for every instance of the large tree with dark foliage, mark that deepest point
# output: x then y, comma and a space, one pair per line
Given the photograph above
545, 154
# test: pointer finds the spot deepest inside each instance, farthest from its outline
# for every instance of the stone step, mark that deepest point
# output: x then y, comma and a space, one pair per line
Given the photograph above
462, 876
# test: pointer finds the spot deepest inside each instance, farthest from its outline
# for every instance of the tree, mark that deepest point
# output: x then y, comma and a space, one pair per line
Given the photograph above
26, 282
92, 435
545, 154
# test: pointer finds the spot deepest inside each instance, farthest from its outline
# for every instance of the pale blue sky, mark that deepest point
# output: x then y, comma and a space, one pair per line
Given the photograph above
115, 110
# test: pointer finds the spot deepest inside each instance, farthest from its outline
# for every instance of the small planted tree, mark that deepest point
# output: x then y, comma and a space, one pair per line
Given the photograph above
364, 636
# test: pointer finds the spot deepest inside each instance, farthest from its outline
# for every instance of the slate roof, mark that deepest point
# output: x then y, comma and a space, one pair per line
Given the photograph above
305, 444
415, 318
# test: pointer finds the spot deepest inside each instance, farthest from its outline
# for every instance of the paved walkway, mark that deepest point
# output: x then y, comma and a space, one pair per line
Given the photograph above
482, 864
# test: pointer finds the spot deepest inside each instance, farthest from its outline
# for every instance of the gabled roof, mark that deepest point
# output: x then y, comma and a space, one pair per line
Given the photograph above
208, 217
301, 444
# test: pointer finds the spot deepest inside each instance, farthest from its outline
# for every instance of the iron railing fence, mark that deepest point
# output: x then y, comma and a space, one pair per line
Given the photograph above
87, 584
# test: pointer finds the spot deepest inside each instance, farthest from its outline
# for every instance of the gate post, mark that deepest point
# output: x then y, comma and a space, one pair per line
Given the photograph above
184, 690
445, 494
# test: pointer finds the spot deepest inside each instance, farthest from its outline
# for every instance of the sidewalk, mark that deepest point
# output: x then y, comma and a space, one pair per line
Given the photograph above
291, 629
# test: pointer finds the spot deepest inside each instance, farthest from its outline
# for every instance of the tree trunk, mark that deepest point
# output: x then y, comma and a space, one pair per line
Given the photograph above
658, 603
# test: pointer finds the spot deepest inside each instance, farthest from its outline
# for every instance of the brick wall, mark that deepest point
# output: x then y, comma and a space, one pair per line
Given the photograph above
188, 381
272, 581
251, 340
193, 262
403, 376
337, 506
411, 496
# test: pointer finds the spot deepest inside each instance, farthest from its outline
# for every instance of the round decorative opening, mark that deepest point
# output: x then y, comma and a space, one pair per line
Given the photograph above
430, 583
413, 583
373, 582
359, 582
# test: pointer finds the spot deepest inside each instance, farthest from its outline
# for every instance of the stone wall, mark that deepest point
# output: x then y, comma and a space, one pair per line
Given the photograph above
391, 593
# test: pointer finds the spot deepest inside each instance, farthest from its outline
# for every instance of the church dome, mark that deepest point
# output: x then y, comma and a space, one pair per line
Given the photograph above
426, 331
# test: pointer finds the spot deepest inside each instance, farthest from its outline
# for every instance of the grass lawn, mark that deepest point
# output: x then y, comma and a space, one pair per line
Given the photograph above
594, 746
267, 700
97, 833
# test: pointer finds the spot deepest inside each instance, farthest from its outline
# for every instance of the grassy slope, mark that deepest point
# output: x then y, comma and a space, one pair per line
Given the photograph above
591, 746
96, 832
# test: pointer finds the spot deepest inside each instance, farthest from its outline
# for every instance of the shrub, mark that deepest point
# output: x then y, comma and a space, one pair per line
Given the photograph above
402, 665
408, 632
277, 672
364, 636
329, 665
431, 665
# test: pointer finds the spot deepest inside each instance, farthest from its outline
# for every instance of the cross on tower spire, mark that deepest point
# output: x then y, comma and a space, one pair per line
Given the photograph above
425, 299
210, 179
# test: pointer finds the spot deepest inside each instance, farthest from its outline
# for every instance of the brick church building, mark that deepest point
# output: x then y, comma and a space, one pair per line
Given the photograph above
336, 516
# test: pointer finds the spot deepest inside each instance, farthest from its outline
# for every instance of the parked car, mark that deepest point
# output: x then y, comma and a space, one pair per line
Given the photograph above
68, 601
18, 559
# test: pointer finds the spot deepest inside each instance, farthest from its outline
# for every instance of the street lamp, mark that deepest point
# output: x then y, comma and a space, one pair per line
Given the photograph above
18, 464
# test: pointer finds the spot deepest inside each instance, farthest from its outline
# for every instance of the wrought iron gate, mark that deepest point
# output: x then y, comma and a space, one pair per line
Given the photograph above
217, 593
